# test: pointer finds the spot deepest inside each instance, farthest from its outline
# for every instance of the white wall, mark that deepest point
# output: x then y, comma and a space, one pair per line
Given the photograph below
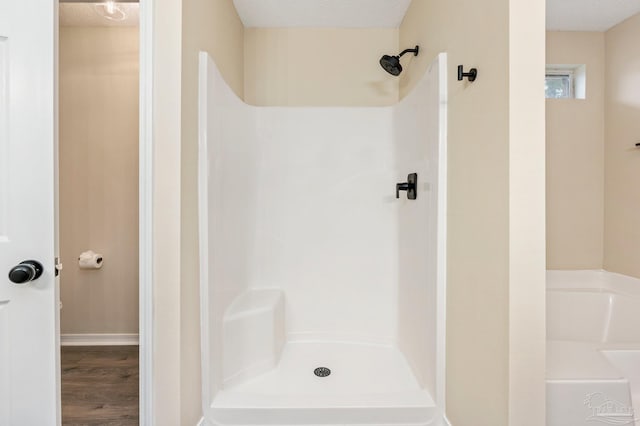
326, 219
99, 177
419, 130
228, 155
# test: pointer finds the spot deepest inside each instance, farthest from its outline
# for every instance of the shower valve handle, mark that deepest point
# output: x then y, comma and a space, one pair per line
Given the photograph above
410, 186
401, 187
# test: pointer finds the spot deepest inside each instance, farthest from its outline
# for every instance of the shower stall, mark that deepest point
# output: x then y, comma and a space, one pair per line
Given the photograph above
322, 293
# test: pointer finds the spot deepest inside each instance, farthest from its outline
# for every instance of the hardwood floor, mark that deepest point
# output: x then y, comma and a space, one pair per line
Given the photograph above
99, 385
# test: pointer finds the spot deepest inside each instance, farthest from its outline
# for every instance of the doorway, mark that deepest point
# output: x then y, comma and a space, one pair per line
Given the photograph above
99, 62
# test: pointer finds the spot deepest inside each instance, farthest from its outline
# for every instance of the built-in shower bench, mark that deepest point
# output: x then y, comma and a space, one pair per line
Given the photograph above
253, 334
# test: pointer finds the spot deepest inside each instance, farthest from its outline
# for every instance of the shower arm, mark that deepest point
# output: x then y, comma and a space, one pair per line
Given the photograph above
415, 51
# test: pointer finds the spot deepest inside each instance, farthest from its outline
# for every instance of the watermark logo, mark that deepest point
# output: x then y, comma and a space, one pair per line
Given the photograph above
609, 411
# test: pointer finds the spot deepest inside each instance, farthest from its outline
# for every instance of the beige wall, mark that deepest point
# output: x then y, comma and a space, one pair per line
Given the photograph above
575, 164
212, 26
592, 163
319, 66
99, 178
495, 354
622, 159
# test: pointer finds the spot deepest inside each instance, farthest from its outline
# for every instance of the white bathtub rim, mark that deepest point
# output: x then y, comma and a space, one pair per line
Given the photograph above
592, 280
594, 291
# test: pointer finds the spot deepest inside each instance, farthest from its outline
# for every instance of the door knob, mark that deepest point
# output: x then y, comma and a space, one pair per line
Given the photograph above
25, 272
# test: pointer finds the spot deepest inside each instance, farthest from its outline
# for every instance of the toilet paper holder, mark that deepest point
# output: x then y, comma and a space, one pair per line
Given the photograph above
90, 260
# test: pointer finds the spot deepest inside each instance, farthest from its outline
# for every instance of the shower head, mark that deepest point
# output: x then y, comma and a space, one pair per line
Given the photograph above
391, 64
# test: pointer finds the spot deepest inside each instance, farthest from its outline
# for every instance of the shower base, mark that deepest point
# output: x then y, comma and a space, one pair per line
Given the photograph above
368, 384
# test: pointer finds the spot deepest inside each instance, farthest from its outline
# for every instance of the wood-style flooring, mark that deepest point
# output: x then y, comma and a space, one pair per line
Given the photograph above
100, 385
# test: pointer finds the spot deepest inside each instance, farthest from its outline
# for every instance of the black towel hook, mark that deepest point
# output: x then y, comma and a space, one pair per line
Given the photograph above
471, 75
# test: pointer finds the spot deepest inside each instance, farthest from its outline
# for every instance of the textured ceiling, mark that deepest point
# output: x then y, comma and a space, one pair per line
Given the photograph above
87, 15
322, 13
588, 15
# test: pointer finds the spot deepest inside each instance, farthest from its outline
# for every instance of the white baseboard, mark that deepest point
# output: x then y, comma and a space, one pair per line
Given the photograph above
446, 421
102, 339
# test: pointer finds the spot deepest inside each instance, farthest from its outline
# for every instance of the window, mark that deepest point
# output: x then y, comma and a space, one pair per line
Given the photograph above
558, 84
565, 82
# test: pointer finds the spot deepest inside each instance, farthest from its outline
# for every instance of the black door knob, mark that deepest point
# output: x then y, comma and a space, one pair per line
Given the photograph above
25, 272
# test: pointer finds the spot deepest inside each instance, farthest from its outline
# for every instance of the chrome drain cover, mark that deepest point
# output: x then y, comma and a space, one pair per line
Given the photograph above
322, 372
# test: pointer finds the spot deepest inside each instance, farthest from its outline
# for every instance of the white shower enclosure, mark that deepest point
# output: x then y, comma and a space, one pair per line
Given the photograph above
322, 294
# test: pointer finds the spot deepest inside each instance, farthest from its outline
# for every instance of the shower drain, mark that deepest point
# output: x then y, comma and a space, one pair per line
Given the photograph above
322, 371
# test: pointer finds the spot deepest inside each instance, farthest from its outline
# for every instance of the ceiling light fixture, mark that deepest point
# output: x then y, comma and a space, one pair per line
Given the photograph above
110, 6
110, 10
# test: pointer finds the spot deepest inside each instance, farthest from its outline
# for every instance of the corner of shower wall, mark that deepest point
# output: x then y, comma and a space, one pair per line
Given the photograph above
441, 277
420, 126
227, 200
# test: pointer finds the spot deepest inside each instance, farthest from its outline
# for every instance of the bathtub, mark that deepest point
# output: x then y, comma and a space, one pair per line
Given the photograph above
593, 348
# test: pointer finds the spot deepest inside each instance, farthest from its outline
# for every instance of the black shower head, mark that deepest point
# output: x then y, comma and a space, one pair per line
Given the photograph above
391, 64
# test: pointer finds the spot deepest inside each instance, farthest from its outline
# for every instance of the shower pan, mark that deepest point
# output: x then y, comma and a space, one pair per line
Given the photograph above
322, 294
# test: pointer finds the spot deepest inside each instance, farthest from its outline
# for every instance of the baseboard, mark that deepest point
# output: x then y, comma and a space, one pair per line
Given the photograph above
102, 339
446, 421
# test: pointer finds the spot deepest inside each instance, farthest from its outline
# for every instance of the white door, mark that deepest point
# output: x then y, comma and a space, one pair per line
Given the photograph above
29, 348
